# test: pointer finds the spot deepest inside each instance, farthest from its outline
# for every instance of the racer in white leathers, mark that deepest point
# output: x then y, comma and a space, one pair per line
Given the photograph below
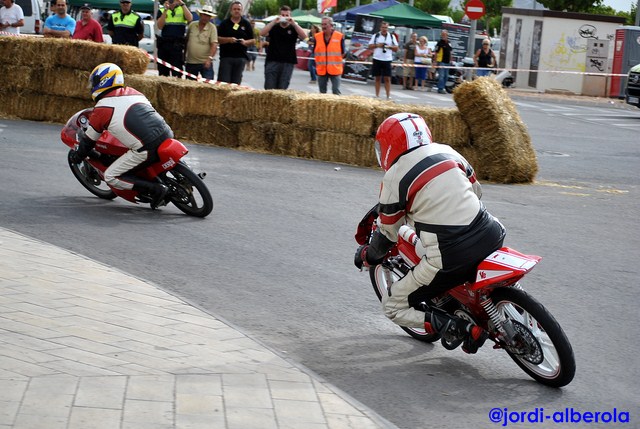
433, 188
129, 117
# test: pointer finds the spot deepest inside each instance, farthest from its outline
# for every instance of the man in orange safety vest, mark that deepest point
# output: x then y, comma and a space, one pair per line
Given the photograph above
329, 52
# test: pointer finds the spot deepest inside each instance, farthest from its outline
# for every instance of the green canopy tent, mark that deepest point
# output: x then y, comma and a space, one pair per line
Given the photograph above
301, 12
307, 20
145, 6
407, 16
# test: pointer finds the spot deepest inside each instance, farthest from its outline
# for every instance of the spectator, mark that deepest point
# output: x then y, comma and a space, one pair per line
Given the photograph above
383, 45
312, 45
443, 59
202, 44
234, 36
409, 72
252, 51
329, 53
484, 59
11, 17
283, 34
125, 26
87, 28
59, 24
422, 61
173, 19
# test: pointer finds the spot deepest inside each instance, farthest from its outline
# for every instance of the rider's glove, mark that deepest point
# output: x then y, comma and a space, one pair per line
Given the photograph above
74, 157
360, 258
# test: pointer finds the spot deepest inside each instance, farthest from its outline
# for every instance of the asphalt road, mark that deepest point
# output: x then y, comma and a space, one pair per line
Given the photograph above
275, 259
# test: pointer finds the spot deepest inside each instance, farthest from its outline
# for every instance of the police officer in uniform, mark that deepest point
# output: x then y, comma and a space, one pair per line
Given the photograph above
173, 19
125, 27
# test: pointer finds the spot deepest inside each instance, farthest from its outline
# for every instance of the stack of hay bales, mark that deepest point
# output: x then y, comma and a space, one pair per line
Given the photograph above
502, 150
326, 127
194, 110
46, 79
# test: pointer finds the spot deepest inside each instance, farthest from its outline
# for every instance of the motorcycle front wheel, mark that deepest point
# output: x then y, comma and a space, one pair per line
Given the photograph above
544, 353
379, 276
187, 191
90, 178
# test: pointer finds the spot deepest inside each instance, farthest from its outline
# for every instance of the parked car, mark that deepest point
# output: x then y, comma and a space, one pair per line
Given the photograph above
32, 16
632, 91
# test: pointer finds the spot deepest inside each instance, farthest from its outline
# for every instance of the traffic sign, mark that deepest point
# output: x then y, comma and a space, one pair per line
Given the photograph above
474, 9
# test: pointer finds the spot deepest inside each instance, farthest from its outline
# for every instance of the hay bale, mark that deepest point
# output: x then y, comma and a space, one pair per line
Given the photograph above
256, 136
499, 136
353, 114
209, 130
292, 141
268, 106
64, 82
344, 148
74, 54
188, 97
446, 125
146, 84
40, 107
60, 81
17, 77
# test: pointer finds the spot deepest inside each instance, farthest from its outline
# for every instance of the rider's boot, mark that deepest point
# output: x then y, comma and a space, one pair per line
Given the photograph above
476, 338
438, 321
157, 191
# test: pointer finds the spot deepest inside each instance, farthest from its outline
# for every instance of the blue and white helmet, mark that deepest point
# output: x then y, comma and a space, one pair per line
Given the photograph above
105, 77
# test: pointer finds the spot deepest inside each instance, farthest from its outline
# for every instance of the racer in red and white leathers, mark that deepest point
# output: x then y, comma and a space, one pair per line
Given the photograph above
434, 189
129, 117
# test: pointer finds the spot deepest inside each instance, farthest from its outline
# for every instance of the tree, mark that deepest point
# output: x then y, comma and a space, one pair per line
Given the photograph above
493, 13
434, 7
571, 5
264, 8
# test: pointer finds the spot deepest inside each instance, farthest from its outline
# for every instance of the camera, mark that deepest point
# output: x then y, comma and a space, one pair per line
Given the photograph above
384, 49
283, 19
238, 40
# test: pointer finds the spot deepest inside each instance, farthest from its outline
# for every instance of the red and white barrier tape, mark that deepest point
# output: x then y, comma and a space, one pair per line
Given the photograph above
197, 78
491, 68
6, 33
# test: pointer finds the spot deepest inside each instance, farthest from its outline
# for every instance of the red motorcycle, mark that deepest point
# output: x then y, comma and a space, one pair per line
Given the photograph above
516, 322
187, 191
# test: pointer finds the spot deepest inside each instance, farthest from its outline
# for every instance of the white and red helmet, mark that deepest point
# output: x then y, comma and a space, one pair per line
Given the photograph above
399, 133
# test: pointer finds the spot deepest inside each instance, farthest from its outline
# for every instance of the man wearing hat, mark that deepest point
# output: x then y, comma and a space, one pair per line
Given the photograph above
125, 26
202, 44
87, 28
173, 19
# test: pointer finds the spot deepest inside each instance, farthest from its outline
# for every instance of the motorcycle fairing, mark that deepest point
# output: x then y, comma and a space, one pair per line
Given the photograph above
503, 265
169, 153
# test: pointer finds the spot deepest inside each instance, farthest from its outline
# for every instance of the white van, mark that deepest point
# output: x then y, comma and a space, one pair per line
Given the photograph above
32, 10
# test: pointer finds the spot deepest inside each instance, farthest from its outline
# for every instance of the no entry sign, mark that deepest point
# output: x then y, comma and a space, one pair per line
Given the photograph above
474, 9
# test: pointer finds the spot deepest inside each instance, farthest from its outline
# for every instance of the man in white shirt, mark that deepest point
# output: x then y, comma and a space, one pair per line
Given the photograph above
11, 17
384, 45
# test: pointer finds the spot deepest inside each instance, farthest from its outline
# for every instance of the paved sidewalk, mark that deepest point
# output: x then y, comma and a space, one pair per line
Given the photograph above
86, 346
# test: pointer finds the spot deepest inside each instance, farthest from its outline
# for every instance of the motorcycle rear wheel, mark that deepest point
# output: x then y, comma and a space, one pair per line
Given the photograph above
89, 177
556, 366
188, 192
378, 277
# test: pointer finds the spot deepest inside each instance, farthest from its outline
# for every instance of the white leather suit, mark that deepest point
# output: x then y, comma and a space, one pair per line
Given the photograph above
434, 189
